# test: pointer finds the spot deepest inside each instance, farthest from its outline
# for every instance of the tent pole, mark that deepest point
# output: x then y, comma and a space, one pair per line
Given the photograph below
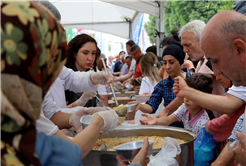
160, 26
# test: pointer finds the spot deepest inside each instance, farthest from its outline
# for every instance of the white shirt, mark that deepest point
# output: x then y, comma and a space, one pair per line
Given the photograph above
73, 81
49, 106
146, 86
240, 92
46, 126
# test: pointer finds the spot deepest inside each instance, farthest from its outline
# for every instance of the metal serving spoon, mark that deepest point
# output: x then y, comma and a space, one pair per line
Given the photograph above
103, 147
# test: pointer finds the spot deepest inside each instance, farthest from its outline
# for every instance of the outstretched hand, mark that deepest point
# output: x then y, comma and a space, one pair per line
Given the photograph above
149, 120
179, 86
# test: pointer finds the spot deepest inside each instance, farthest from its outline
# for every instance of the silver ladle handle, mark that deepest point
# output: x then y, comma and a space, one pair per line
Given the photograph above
111, 85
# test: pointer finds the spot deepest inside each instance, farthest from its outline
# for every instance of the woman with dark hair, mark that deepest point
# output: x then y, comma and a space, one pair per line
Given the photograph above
81, 56
172, 39
172, 61
82, 47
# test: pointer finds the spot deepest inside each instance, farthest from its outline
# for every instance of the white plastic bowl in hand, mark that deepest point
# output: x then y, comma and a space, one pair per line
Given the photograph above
142, 98
85, 120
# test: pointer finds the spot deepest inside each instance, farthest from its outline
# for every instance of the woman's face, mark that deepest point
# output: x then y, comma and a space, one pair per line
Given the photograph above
85, 57
171, 65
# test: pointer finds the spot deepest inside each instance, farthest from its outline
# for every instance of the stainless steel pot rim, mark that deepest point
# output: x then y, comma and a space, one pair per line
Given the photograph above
153, 127
156, 127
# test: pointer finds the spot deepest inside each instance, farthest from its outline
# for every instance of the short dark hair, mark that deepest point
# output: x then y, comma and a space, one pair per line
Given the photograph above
171, 39
135, 48
129, 57
201, 82
130, 43
151, 49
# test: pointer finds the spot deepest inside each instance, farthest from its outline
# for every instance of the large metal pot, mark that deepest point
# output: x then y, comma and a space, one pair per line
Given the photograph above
108, 158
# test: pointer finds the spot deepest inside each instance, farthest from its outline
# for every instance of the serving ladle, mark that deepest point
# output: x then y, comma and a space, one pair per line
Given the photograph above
111, 85
103, 147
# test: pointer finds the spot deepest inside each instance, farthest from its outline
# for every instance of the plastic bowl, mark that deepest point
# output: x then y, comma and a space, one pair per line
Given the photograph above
142, 98
85, 120
131, 107
129, 150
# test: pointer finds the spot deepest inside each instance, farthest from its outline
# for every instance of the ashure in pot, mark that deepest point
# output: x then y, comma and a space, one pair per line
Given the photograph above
108, 158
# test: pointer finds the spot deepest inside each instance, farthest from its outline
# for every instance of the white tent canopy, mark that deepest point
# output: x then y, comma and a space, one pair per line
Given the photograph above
116, 17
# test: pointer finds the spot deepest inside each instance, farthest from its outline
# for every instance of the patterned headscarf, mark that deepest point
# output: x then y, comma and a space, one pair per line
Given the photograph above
33, 50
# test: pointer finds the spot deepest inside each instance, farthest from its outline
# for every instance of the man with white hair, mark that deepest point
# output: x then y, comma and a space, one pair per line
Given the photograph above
190, 39
223, 41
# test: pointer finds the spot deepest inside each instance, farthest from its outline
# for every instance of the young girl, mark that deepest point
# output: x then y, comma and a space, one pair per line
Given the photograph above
82, 54
192, 115
149, 66
173, 58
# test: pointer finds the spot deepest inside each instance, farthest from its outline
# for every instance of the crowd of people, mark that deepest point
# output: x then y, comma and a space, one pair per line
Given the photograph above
47, 85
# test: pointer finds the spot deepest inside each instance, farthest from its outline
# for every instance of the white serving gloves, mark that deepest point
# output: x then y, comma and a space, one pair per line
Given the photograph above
74, 119
84, 98
101, 78
110, 119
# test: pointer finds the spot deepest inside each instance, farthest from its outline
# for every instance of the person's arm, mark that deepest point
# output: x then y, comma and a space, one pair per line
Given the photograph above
156, 97
225, 157
189, 65
146, 108
227, 122
223, 104
82, 100
104, 99
88, 137
171, 107
61, 119
240, 152
77, 81
123, 78
140, 159
105, 120
165, 120
161, 72
116, 73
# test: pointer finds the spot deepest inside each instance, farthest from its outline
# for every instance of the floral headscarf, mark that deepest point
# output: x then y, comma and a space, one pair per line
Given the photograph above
33, 50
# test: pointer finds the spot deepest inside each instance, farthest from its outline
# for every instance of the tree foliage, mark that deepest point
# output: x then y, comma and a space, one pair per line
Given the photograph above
178, 13
150, 28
